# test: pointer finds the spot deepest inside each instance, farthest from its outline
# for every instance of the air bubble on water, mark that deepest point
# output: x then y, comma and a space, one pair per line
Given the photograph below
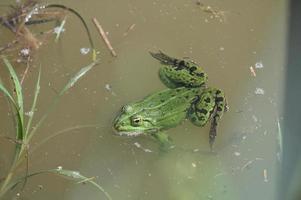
259, 91
258, 65
84, 50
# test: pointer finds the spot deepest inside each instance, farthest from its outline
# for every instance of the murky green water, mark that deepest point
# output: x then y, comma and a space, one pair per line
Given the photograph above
244, 165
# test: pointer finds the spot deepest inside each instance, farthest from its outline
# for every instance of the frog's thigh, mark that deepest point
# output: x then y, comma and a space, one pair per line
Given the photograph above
196, 117
165, 79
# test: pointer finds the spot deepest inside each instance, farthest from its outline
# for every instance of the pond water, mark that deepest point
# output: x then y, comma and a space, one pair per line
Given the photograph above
237, 35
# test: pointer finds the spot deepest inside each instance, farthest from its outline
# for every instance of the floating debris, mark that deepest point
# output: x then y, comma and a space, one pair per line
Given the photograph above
104, 36
25, 52
253, 71
236, 153
259, 91
29, 114
193, 165
84, 50
108, 87
213, 13
248, 164
130, 28
254, 118
258, 65
196, 150
265, 175
60, 29
140, 147
280, 142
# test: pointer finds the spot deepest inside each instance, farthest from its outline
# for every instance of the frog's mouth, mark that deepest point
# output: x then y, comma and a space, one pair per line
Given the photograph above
129, 133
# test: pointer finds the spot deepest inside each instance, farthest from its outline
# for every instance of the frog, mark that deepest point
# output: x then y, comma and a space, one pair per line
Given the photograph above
187, 97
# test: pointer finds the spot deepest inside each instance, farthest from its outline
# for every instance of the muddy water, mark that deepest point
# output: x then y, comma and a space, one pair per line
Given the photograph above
245, 161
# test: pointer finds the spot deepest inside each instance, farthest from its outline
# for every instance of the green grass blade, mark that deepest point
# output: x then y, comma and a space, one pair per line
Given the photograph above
33, 107
77, 76
6, 93
18, 88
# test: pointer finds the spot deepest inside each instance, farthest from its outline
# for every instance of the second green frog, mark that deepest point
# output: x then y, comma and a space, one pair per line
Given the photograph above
187, 97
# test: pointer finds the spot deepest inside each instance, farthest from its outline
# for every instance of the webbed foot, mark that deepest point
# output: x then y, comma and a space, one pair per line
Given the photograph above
163, 58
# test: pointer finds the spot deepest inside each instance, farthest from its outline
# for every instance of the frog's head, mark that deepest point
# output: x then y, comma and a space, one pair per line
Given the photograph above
130, 123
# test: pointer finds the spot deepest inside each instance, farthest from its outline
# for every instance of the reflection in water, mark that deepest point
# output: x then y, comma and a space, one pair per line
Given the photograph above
245, 160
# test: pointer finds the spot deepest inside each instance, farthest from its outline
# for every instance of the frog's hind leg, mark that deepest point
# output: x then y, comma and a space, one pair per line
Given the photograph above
217, 113
167, 80
210, 105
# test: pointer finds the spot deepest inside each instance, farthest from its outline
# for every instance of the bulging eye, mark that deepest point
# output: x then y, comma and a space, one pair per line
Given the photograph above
136, 121
127, 108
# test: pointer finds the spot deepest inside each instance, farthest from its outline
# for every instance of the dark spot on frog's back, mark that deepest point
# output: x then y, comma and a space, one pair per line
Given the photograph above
186, 97
200, 74
203, 111
219, 108
207, 100
219, 99
162, 100
193, 119
192, 68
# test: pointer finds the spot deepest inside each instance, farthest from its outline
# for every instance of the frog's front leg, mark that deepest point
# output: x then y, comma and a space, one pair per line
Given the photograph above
164, 140
209, 105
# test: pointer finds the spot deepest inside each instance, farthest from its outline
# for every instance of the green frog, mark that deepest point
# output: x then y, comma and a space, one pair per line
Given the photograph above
187, 97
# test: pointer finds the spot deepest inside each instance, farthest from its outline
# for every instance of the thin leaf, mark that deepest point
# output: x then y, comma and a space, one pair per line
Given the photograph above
60, 30
18, 87
67, 174
76, 176
77, 76
6, 93
33, 107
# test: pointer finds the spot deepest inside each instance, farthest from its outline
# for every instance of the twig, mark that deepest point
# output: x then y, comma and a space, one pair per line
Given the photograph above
26, 71
129, 29
104, 36
253, 71
249, 163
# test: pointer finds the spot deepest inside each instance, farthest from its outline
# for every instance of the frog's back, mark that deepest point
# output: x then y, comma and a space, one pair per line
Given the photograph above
168, 107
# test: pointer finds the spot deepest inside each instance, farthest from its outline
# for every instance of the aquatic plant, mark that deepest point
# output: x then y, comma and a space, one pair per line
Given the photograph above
24, 15
24, 131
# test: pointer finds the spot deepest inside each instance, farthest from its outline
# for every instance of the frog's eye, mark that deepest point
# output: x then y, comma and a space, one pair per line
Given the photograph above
127, 108
136, 121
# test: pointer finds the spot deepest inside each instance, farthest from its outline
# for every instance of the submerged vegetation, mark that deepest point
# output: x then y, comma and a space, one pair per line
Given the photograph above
25, 131
22, 17
19, 21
